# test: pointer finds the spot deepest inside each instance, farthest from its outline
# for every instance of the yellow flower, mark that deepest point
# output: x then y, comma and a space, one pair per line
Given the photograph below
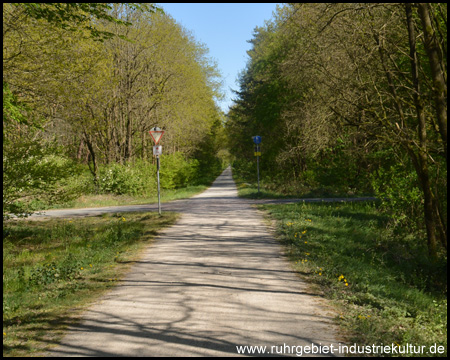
90, 265
123, 219
82, 268
306, 242
320, 274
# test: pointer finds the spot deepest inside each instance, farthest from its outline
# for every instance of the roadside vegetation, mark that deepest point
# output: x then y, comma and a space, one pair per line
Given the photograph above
350, 100
53, 269
82, 86
385, 290
385, 286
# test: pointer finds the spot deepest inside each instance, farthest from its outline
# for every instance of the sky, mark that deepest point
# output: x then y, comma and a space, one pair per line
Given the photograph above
224, 29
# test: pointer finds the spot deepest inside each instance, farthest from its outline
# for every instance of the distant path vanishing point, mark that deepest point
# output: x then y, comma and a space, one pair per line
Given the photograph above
214, 281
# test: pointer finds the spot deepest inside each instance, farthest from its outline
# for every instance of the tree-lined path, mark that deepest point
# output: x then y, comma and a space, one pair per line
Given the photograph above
215, 280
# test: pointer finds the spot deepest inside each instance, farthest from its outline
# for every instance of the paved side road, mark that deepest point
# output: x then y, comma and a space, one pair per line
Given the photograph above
176, 205
213, 281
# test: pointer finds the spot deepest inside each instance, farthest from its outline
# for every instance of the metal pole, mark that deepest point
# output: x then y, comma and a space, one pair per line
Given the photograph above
159, 193
257, 165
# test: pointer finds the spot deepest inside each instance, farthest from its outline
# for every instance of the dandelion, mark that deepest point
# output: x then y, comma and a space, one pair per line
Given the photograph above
320, 274
90, 265
123, 219
82, 268
4, 334
304, 232
306, 242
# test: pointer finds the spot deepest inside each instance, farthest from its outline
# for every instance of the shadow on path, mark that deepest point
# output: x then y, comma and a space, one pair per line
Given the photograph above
213, 281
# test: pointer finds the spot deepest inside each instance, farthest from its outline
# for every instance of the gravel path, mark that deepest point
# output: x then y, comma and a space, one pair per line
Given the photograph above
214, 281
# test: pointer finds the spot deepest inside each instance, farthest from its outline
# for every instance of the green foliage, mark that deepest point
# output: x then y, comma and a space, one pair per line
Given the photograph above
398, 187
329, 91
139, 178
52, 267
73, 16
45, 274
121, 179
386, 287
13, 109
79, 89
176, 171
32, 168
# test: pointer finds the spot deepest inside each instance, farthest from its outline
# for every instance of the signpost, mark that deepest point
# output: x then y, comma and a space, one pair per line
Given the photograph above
156, 134
257, 141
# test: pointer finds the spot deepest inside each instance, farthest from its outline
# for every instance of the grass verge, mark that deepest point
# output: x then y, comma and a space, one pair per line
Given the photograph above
54, 269
386, 290
91, 200
249, 190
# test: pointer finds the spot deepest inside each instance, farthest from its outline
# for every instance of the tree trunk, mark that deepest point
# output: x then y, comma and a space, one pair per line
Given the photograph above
80, 149
422, 168
437, 71
94, 168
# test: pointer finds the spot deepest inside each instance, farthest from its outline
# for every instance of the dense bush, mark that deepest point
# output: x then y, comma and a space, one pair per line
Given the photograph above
177, 172
140, 177
399, 189
121, 179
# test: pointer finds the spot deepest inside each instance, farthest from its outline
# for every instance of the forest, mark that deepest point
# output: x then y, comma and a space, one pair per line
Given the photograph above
82, 86
351, 99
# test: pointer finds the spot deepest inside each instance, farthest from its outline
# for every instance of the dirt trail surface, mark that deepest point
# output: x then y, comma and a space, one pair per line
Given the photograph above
213, 281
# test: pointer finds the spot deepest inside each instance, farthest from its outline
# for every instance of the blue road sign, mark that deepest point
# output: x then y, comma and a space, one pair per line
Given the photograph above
256, 139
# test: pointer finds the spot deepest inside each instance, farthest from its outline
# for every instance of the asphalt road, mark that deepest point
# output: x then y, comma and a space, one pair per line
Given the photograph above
215, 280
